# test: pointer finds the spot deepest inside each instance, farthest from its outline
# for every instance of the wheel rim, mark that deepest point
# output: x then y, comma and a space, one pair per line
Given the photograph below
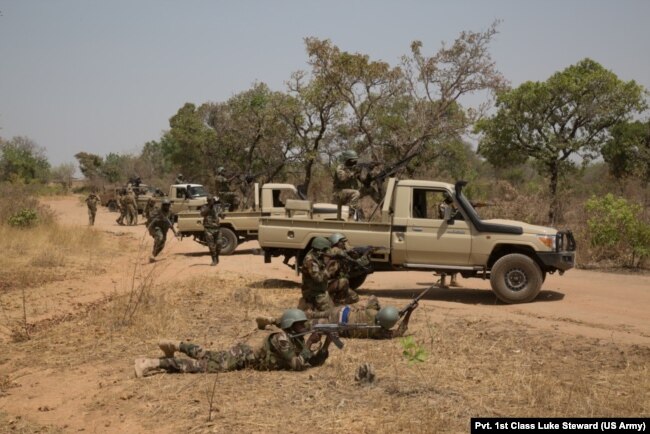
516, 279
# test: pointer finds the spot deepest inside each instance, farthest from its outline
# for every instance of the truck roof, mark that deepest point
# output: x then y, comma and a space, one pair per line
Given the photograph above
185, 185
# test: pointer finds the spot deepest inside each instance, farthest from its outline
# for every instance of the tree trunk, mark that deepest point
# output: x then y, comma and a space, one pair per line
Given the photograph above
553, 213
308, 172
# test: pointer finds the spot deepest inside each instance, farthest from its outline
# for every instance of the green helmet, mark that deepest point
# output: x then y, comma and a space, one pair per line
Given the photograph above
166, 203
349, 155
320, 243
220, 169
387, 317
335, 238
290, 317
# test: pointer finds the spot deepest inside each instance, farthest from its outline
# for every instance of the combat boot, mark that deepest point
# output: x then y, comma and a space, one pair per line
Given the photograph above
169, 347
152, 259
143, 366
215, 260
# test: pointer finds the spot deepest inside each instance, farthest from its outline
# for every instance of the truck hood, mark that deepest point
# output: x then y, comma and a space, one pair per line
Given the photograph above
527, 228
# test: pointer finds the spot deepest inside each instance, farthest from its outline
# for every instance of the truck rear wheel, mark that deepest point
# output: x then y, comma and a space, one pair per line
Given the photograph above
112, 206
228, 241
516, 278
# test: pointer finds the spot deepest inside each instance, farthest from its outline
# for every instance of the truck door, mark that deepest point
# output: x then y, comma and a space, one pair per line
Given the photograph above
429, 238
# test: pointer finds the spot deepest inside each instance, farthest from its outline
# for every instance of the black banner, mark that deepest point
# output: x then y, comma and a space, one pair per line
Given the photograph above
482, 425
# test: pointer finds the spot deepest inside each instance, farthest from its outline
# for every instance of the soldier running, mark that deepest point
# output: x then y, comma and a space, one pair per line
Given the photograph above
279, 350
158, 225
211, 213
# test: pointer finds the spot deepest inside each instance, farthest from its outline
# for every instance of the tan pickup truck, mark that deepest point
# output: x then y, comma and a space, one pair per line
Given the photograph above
432, 226
238, 226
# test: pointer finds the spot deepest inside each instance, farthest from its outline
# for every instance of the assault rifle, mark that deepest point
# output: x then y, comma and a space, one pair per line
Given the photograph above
333, 331
171, 225
414, 303
389, 171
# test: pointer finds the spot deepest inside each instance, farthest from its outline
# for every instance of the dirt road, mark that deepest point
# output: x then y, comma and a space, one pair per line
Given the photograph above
593, 304
485, 358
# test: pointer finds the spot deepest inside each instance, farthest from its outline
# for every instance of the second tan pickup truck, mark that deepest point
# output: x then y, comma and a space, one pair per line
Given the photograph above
432, 226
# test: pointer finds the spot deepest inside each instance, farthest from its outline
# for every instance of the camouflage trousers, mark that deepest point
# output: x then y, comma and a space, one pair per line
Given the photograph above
315, 300
348, 196
131, 215
120, 219
212, 239
238, 357
340, 292
91, 216
159, 239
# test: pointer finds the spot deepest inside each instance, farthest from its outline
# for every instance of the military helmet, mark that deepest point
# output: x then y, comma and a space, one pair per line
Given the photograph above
290, 317
335, 238
320, 243
387, 317
220, 169
211, 199
349, 155
165, 202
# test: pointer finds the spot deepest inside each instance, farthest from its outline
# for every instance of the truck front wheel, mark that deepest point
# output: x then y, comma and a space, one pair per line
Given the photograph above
516, 278
228, 241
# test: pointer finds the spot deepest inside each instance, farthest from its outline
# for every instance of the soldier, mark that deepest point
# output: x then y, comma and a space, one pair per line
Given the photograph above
158, 225
371, 314
122, 206
279, 350
315, 277
211, 213
179, 179
131, 208
91, 201
346, 183
149, 208
224, 189
338, 264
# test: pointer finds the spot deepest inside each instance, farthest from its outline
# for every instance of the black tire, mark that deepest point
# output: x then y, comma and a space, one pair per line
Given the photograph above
357, 281
516, 278
112, 206
228, 241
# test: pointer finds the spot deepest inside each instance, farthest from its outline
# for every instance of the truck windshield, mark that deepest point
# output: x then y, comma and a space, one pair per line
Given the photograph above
197, 191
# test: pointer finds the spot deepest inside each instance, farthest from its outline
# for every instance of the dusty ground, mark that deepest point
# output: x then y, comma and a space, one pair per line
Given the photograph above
581, 349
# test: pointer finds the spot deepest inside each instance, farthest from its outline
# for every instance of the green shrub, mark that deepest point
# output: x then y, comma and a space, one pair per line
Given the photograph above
617, 230
24, 218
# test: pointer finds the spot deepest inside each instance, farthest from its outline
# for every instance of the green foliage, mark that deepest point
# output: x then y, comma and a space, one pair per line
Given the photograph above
412, 351
617, 230
21, 160
628, 151
571, 114
24, 218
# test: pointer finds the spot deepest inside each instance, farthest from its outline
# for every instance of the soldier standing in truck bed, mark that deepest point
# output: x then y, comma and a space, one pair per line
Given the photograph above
346, 184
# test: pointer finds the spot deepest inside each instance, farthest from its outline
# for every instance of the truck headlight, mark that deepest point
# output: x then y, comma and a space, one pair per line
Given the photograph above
547, 240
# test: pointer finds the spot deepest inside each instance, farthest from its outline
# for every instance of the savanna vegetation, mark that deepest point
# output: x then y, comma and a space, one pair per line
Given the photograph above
547, 152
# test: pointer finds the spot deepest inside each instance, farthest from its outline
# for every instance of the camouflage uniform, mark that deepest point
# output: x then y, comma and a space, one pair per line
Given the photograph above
122, 206
131, 208
211, 215
149, 208
277, 351
314, 282
346, 187
338, 285
91, 201
158, 226
226, 194
360, 315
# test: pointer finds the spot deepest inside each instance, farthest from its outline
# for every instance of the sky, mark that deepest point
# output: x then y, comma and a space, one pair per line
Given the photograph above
106, 76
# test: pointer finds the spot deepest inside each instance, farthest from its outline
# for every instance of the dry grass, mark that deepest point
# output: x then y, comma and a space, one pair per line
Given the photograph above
473, 368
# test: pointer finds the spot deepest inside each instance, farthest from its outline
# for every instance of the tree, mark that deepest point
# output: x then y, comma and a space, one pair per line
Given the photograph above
63, 174
21, 159
570, 115
90, 164
627, 153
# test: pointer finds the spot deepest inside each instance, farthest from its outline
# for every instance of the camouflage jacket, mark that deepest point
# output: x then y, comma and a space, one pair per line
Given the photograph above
280, 351
160, 219
211, 216
92, 201
314, 274
345, 178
